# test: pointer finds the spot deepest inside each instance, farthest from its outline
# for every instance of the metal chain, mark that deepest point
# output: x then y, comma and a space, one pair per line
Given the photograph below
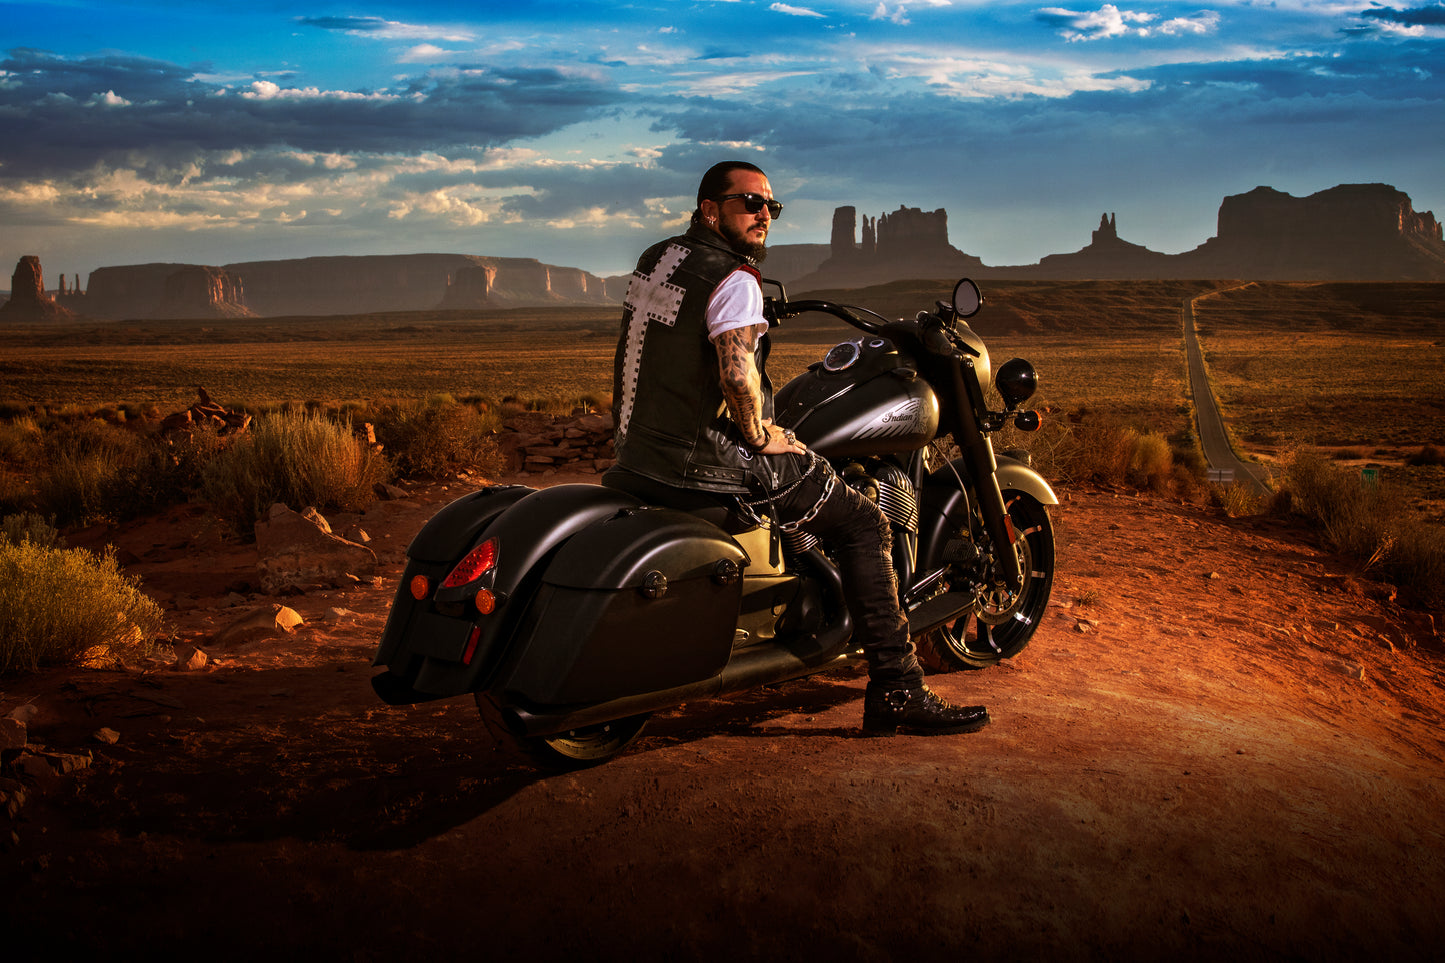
814, 460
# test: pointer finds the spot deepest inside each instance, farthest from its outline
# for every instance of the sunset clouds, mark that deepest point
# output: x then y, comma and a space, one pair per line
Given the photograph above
576, 132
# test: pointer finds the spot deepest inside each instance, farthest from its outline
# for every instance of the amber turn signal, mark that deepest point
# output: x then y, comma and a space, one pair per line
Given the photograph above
486, 602
420, 587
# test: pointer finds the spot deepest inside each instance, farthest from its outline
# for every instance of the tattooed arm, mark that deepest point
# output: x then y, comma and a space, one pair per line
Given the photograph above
742, 390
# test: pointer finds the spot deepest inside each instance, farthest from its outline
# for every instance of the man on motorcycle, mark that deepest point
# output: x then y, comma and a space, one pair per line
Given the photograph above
692, 352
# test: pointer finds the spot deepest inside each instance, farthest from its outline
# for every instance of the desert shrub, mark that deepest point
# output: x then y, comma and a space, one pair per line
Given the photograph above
93, 470
1416, 560
1371, 525
89, 470
1237, 501
1353, 519
20, 440
298, 458
1151, 462
1426, 456
435, 438
63, 606
28, 527
1100, 452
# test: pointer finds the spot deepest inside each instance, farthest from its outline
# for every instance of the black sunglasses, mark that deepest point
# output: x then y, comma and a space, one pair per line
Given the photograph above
752, 203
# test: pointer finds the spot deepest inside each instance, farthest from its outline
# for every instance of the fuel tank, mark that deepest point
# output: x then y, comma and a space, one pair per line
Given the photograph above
863, 398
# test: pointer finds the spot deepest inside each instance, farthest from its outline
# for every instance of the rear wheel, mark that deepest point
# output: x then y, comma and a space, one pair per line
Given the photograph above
1000, 623
588, 745
573, 749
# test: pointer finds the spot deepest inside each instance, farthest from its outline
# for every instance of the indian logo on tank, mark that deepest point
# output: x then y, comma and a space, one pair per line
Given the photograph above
904, 419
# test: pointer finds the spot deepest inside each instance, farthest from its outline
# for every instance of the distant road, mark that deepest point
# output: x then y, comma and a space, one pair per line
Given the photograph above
1212, 436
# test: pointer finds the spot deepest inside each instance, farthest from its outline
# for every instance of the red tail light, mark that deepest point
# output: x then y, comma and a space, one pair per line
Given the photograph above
479, 561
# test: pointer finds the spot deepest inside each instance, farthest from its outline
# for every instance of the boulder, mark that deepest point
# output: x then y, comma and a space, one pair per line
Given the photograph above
270, 622
298, 550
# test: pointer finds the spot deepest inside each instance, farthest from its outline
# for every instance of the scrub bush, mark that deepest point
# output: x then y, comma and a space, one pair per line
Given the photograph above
435, 438
1370, 524
298, 458
66, 606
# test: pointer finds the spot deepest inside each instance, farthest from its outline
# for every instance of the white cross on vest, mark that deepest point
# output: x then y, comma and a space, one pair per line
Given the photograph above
654, 295
650, 297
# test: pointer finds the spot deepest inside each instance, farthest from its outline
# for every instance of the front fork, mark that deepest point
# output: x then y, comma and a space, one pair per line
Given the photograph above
977, 453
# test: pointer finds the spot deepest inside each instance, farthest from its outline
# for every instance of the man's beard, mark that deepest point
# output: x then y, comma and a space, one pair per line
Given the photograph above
756, 250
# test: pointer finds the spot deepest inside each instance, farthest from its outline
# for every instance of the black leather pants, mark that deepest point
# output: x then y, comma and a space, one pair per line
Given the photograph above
860, 540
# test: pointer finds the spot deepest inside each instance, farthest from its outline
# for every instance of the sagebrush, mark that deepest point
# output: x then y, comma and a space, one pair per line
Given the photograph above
298, 458
62, 606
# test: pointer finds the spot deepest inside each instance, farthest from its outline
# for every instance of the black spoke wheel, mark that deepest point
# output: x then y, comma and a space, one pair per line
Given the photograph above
574, 749
1001, 622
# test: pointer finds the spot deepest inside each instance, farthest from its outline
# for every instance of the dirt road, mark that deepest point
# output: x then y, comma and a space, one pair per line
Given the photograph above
1221, 744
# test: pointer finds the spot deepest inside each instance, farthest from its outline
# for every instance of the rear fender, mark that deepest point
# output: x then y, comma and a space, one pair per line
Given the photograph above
436, 651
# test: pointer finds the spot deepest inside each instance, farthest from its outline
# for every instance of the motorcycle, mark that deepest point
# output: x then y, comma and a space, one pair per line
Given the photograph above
573, 613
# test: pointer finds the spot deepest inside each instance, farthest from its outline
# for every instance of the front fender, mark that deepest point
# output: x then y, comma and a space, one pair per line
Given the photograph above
944, 506
1014, 474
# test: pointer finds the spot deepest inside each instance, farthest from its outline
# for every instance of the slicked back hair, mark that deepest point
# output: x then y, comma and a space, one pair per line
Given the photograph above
716, 182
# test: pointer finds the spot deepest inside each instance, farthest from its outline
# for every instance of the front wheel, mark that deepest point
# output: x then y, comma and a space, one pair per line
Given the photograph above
1000, 623
574, 749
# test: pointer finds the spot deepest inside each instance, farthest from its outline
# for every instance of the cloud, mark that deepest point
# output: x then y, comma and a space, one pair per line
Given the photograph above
1432, 15
375, 27
159, 110
1107, 21
793, 11
1205, 22
899, 14
424, 53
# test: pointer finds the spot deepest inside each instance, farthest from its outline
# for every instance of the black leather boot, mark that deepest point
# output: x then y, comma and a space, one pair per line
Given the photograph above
919, 710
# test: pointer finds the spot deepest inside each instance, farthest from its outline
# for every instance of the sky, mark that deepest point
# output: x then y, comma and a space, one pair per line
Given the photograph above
212, 132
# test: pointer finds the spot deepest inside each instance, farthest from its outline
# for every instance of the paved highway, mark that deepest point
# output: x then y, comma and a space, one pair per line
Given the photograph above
1212, 436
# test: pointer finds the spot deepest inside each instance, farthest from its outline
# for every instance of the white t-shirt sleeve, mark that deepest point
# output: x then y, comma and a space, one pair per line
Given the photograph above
736, 303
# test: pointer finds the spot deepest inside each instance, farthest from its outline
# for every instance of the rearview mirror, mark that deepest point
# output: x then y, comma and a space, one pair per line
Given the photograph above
966, 299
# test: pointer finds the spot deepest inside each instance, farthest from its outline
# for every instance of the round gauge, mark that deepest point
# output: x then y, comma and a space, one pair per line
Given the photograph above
841, 356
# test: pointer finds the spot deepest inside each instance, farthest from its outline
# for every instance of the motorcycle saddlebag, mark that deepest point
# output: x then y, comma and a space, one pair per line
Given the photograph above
644, 600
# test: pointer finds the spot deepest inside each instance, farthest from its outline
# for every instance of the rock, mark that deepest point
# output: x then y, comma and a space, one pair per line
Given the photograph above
190, 659
1349, 670
13, 734
12, 797
196, 291
205, 414
596, 422
106, 735
338, 614
24, 714
298, 549
44, 769
28, 300
390, 492
271, 622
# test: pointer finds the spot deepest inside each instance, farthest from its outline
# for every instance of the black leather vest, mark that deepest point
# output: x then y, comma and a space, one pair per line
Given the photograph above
672, 421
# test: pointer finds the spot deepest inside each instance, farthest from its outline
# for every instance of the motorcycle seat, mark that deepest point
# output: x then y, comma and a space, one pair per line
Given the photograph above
720, 510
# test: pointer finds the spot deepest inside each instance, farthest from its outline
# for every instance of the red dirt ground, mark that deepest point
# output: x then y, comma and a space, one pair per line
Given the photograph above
1222, 743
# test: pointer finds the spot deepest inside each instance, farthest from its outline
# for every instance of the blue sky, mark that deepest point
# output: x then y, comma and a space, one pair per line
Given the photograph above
575, 132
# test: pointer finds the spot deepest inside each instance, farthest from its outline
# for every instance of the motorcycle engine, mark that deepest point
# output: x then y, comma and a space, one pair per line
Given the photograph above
880, 482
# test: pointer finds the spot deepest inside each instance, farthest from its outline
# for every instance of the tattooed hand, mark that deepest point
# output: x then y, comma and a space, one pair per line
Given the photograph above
742, 390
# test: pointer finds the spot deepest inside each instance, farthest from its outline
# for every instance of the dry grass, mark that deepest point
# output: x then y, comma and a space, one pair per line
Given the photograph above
60, 606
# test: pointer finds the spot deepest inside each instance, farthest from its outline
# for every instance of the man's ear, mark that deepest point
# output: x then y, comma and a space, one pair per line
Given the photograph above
709, 209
